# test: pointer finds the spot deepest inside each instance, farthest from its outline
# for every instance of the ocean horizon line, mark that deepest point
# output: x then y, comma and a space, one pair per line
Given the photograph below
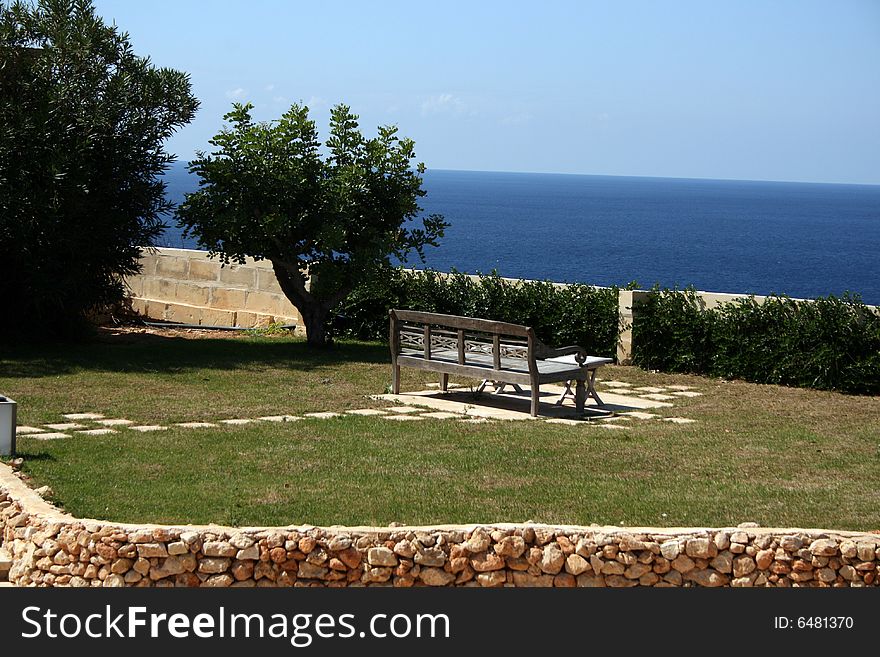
636, 177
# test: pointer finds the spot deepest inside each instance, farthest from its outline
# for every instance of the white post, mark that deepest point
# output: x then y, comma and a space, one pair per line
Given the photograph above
7, 426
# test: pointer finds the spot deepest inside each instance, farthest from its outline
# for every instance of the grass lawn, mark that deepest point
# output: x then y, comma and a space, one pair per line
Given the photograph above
773, 455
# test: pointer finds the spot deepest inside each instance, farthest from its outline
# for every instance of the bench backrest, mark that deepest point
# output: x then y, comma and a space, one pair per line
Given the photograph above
432, 332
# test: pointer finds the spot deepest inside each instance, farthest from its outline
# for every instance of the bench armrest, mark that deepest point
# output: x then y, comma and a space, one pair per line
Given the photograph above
580, 354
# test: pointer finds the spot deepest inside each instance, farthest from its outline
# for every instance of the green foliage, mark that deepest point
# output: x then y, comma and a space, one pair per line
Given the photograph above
831, 343
82, 124
267, 192
671, 332
561, 315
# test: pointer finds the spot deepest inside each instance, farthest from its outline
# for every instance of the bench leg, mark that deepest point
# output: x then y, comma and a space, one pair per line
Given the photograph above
580, 395
535, 396
444, 381
591, 388
395, 379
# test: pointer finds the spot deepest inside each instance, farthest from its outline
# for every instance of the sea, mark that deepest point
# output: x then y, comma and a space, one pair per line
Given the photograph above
804, 240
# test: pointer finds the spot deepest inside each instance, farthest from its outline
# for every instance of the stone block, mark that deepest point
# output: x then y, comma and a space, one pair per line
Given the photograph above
252, 320
135, 285
171, 267
239, 275
183, 313
267, 282
204, 270
214, 317
228, 299
263, 302
160, 289
193, 294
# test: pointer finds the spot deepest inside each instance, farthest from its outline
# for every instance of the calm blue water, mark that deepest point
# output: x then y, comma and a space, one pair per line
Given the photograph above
800, 239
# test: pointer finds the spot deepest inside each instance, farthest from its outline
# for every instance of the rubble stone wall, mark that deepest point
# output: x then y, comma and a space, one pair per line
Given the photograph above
50, 548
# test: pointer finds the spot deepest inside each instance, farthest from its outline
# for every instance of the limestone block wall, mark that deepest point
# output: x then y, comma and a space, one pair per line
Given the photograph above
186, 286
50, 548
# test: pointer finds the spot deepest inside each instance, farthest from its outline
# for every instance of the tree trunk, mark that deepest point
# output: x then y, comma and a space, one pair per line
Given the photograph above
314, 311
315, 317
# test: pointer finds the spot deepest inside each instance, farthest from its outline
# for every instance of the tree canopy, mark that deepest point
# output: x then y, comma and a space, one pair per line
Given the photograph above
324, 214
83, 120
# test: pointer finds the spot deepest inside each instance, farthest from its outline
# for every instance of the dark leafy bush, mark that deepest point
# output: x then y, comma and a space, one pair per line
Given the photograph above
671, 332
560, 315
831, 343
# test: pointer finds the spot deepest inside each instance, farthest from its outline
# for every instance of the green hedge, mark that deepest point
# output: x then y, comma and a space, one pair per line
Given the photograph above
831, 343
561, 315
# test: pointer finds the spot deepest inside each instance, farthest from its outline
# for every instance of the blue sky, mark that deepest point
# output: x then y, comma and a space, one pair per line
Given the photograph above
746, 89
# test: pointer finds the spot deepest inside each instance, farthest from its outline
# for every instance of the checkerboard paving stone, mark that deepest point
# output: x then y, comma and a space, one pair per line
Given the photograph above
441, 415
680, 387
242, 420
402, 417
658, 397
52, 435
679, 420
650, 389
82, 416
323, 416
367, 411
639, 415
66, 426
145, 428
115, 422
196, 425
400, 410
615, 384
25, 430
280, 418
96, 432
562, 420
687, 393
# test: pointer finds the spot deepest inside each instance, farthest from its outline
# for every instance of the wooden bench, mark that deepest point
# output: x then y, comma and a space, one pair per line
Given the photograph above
488, 350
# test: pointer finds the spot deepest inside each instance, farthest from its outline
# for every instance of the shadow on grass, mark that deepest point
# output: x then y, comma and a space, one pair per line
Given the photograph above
167, 354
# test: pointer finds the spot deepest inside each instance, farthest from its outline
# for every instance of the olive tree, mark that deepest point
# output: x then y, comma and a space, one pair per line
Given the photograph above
325, 215
83, 120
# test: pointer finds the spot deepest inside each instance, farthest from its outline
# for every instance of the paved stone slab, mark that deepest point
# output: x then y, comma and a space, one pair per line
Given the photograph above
66, 426
280, 418
400, 410
562, 420
52, 435
25, 430
687, 393
680, 387
323, 416
650, 389
144, 428
616, 418
616, 384
658, 397
441, 415
96, 432
475, 420
610, 426
402, 417
115, 422
449, 386
243, 420
196, 425
639, 415
514, 406
82, 416
678, 420
367, 411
